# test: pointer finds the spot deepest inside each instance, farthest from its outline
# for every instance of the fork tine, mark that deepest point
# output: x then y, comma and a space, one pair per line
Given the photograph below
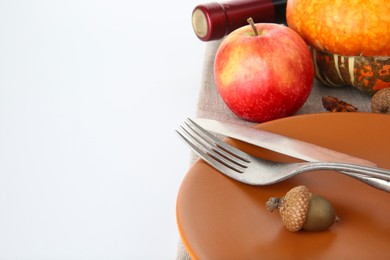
226, 147
208, 151
213, 147
210, 160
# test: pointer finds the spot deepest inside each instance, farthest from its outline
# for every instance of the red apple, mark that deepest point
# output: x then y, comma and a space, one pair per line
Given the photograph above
264, 71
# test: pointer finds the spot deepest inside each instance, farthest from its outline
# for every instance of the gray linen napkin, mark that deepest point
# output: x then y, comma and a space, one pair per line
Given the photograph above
210, 105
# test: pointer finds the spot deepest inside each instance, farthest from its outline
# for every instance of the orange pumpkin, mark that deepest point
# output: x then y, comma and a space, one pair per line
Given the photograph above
345, 27
351, 40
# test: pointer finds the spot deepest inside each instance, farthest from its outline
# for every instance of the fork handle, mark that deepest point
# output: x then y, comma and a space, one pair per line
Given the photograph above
372, 181
373, 176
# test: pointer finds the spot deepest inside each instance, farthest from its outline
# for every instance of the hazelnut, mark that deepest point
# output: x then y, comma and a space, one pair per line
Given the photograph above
380, 102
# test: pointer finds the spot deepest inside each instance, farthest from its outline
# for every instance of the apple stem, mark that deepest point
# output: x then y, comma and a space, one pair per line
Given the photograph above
252, 23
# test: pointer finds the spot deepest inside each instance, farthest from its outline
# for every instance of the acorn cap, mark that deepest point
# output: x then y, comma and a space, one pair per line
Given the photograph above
294, 208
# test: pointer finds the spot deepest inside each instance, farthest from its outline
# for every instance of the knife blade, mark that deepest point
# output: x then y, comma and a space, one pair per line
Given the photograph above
279, 143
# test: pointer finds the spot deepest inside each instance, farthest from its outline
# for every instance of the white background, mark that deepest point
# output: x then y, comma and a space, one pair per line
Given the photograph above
90, 95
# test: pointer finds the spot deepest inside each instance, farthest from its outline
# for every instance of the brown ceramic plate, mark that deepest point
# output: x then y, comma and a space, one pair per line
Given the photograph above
220, 218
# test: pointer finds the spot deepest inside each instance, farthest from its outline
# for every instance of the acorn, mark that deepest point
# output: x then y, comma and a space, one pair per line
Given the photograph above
301, 210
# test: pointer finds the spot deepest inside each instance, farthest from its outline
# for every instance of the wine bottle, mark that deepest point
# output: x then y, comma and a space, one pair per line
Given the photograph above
214, 20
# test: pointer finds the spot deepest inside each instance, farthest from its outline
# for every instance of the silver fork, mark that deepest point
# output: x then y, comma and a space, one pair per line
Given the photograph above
256, 171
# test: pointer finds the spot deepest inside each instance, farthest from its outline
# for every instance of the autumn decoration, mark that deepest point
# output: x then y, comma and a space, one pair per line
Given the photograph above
350, 40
